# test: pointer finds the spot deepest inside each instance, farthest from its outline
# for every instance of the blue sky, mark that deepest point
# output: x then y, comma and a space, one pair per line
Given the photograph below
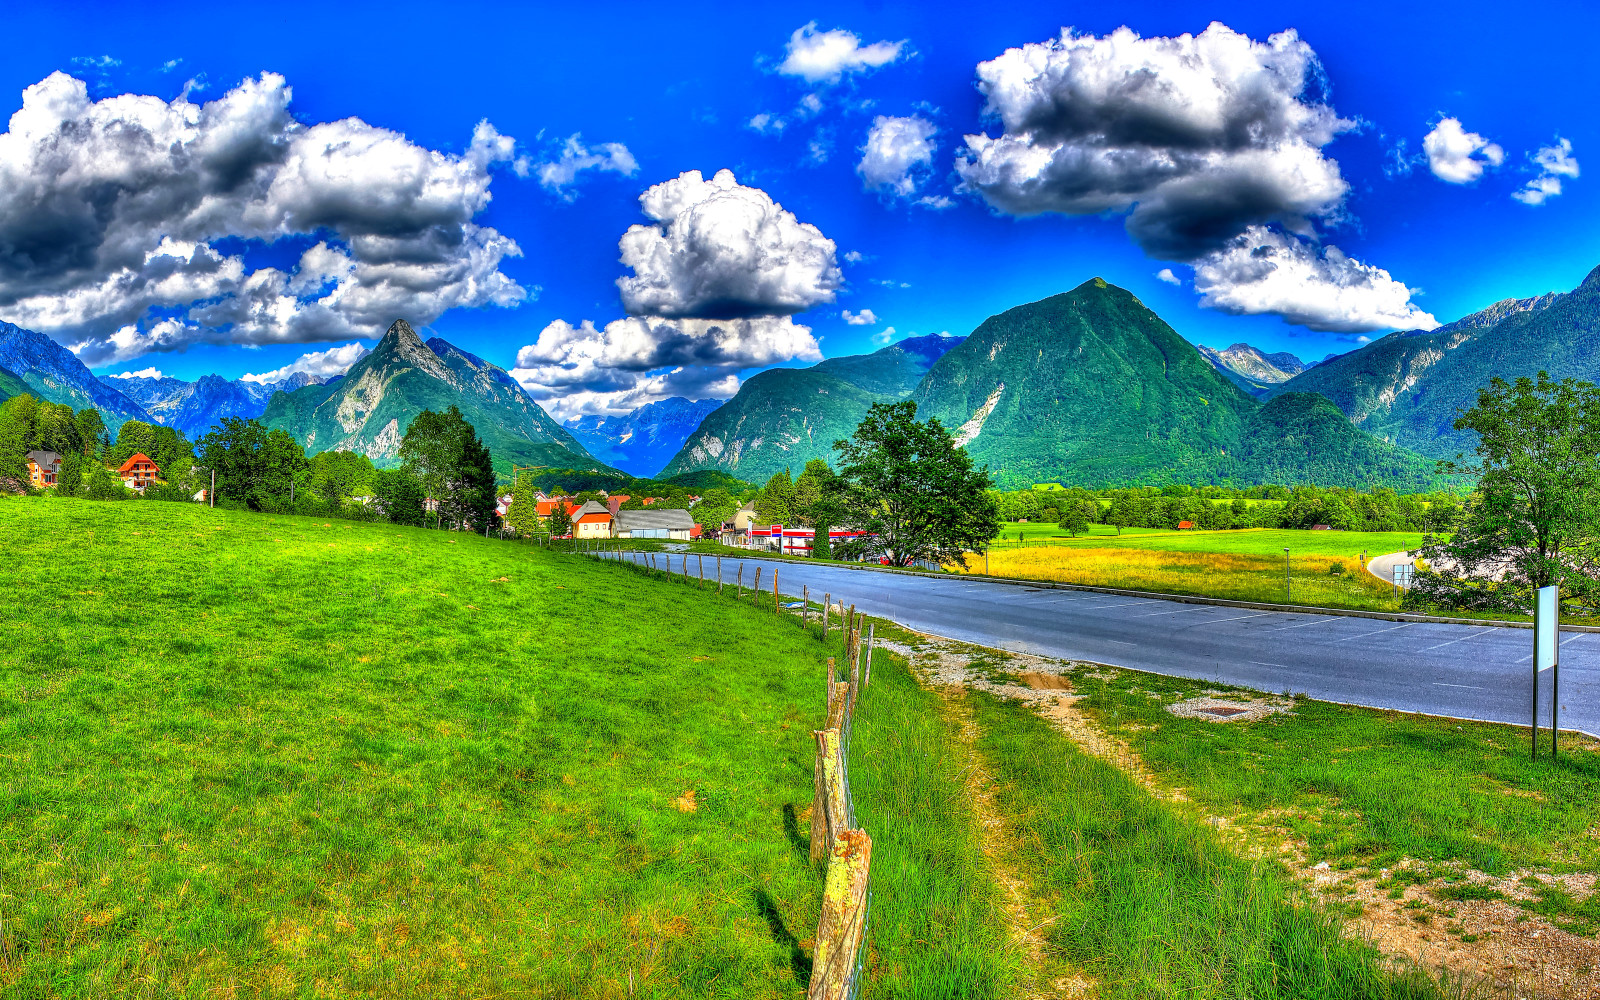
654, 92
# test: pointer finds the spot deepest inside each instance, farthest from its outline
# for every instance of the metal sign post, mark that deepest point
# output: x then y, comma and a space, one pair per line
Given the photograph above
1546, 656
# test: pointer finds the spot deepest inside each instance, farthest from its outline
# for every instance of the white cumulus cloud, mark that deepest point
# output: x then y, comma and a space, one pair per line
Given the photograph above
865, 317
141, 373
1554, 162
111, 212
1196, 137
719, 249
898, 155
1457, 156
1165, 274
767, 123
325, 364
560, 174
1268, 272
827, 56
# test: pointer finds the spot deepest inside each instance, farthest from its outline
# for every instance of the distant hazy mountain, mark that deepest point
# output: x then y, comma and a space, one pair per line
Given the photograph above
369, 408
1406, 388
641, 442
784, 417
1252, 370
1092, 388
54, 373
193, 408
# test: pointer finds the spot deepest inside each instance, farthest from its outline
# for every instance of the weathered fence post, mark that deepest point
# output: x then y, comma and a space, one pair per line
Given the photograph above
805, 606
852, 647
871, 640
775, 609
827, 601
843, 922
833, 798
702, 561
738, 585
838, 699
719, 574
755, 590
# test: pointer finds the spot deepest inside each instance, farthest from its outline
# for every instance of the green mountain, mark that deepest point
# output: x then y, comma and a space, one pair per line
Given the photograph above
1092, 388
1088, 386
784, 417
10, 386
369, 409
1406, 388
1300, 437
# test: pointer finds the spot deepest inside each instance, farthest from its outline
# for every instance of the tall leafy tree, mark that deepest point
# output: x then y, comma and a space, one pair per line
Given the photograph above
523, 515
398, 496
443, 451
560, 522
253, 465
915, 493
90, 428
1535, 518
775, 502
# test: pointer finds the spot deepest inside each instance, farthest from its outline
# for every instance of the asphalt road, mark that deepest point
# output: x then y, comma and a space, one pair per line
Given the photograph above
1457, 670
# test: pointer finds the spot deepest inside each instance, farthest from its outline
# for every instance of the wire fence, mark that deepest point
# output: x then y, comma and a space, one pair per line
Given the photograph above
839, 957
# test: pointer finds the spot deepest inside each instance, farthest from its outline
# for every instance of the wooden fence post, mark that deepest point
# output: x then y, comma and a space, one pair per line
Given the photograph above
871, 640
833, 800
756, 589
719, 574
827, 601
843, 922
837, 699
805, 606
738, 585
701, 560
853, 650
775, 609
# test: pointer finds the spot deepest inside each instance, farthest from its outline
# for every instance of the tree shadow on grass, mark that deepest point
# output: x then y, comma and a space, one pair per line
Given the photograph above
791, 829
798, 960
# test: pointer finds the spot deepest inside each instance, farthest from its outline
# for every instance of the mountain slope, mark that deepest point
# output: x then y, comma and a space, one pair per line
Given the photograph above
784, 417
10, 385
370, 407
1406, 388
643, 441
54, 373
1088, 385
1301, 437
1251, 370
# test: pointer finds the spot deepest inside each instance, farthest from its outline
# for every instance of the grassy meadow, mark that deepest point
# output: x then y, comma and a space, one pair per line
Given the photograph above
1325, 567
286, 757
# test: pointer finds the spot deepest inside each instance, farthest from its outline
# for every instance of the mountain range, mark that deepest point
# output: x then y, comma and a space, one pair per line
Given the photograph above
640, 443
370, 407
55, 374
1406, 388
783, 417
192, 408
1251, 370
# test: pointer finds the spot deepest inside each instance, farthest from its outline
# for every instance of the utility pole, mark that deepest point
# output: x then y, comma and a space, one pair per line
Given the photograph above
211, 494
1286, 574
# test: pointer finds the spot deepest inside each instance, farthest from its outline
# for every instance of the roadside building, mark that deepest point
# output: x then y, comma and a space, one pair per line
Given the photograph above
43, 467
676, 525
744, 517
592, 520
138, 472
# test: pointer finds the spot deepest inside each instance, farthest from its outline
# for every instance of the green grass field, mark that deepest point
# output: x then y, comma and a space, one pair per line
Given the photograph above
300, 757
1345, 782
1245, 541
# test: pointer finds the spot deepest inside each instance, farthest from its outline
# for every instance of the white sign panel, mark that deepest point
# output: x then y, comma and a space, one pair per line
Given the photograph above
1545, 625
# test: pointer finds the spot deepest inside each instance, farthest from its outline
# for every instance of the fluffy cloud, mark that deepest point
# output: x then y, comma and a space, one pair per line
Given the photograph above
767, 123
827, 56
1165, 274
865, 317
1196, 137
111, 212
141, 373
720, 250
640, 359
1555, 162
558, 175
884, 336
898, 155
1458, 156
1264, 271
325, 364
717, 278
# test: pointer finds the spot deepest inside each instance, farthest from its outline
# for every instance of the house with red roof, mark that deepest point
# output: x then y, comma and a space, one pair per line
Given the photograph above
138, 472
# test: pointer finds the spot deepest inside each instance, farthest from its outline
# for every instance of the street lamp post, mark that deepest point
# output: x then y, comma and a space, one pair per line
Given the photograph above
1286, 574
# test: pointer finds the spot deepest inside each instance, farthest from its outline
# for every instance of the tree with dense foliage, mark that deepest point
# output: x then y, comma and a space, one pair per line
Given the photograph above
444, 452
559, 523
915, 494
69, 476
254, 467
1534, 520
168, 448
523, 514
336, 476
821, 503
775, 502
714, 509
1073, 520
90, 427
397, 495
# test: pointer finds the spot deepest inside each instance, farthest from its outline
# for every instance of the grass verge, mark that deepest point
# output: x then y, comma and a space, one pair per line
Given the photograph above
1147, 901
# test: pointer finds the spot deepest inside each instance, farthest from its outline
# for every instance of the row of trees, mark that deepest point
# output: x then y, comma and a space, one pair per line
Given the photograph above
1297, 507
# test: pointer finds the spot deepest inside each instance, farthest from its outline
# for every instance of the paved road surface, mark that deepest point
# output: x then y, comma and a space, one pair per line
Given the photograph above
1458, 670
1383, 566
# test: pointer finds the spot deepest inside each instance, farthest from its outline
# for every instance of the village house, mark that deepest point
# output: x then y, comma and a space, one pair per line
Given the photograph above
43, 466
744, 517
674, 525
138, 472
592, 520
